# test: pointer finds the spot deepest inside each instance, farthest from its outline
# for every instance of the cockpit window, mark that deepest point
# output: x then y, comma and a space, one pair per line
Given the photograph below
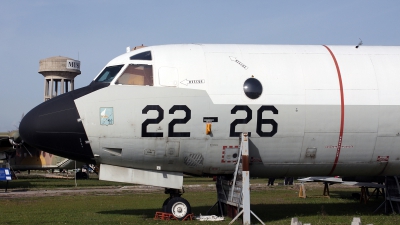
142, 56
137, 75
108, 74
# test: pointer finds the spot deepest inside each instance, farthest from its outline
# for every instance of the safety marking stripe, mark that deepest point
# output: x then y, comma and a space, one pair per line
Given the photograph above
339, 146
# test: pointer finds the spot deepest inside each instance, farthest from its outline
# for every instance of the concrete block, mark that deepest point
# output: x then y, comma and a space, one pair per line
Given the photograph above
356, 221
295, 221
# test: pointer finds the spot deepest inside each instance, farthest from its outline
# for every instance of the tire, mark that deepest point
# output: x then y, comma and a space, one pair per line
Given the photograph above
179, 207
78, 175
164, 205
81, 175
85, 176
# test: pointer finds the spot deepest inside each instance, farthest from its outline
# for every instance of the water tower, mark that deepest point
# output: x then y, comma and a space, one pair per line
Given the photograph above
59, 73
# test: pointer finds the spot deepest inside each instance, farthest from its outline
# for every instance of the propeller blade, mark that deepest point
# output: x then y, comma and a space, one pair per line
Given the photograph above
27, 150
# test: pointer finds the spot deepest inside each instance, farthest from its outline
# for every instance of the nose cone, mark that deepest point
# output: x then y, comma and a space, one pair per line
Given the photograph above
53, 127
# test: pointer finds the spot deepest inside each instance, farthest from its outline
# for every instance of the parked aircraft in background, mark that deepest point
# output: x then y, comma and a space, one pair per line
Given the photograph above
158, 112
22, 156
8, 140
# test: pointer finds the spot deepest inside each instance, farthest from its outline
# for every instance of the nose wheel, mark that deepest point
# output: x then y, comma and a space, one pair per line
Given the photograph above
177, 206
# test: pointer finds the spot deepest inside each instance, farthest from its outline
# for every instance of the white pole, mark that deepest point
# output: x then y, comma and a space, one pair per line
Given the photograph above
245, 179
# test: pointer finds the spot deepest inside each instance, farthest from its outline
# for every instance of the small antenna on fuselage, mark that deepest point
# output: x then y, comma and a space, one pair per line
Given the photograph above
360, 43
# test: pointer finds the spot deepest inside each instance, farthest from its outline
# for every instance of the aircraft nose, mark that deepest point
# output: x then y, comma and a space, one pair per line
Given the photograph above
54, 127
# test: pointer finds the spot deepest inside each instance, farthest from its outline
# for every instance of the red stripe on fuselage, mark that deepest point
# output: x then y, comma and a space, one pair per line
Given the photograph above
339, 146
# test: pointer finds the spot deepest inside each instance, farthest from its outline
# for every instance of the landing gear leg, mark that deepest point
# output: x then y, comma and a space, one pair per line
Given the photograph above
175, 204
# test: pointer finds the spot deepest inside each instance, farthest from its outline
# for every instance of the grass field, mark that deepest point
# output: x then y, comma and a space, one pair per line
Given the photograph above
274, 205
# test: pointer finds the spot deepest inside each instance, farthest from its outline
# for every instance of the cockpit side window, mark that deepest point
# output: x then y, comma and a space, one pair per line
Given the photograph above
137, 75
142, 56
108, 74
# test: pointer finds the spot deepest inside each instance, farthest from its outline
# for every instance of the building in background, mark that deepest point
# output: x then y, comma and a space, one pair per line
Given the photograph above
59, 73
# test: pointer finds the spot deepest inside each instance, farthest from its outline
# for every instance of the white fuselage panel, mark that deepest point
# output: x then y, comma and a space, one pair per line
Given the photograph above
324, 110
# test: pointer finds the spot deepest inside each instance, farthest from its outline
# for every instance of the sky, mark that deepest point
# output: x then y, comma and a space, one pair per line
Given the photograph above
95, 32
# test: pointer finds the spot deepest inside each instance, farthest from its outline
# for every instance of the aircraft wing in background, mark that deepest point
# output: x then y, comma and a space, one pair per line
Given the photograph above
322, 179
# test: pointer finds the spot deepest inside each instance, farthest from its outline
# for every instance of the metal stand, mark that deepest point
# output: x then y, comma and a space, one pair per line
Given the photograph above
392, 194
235, 192
326, 189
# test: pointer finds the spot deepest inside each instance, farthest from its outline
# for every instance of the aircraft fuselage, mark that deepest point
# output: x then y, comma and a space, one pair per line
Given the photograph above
321, 110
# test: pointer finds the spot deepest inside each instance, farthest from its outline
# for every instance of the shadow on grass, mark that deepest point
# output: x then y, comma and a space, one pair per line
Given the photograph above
281, 211
196, 210
56, 183
40, 183
19, 184
147, 212
273, 212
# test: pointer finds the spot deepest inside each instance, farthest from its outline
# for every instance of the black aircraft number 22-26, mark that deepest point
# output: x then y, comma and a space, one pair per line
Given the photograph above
232, 132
